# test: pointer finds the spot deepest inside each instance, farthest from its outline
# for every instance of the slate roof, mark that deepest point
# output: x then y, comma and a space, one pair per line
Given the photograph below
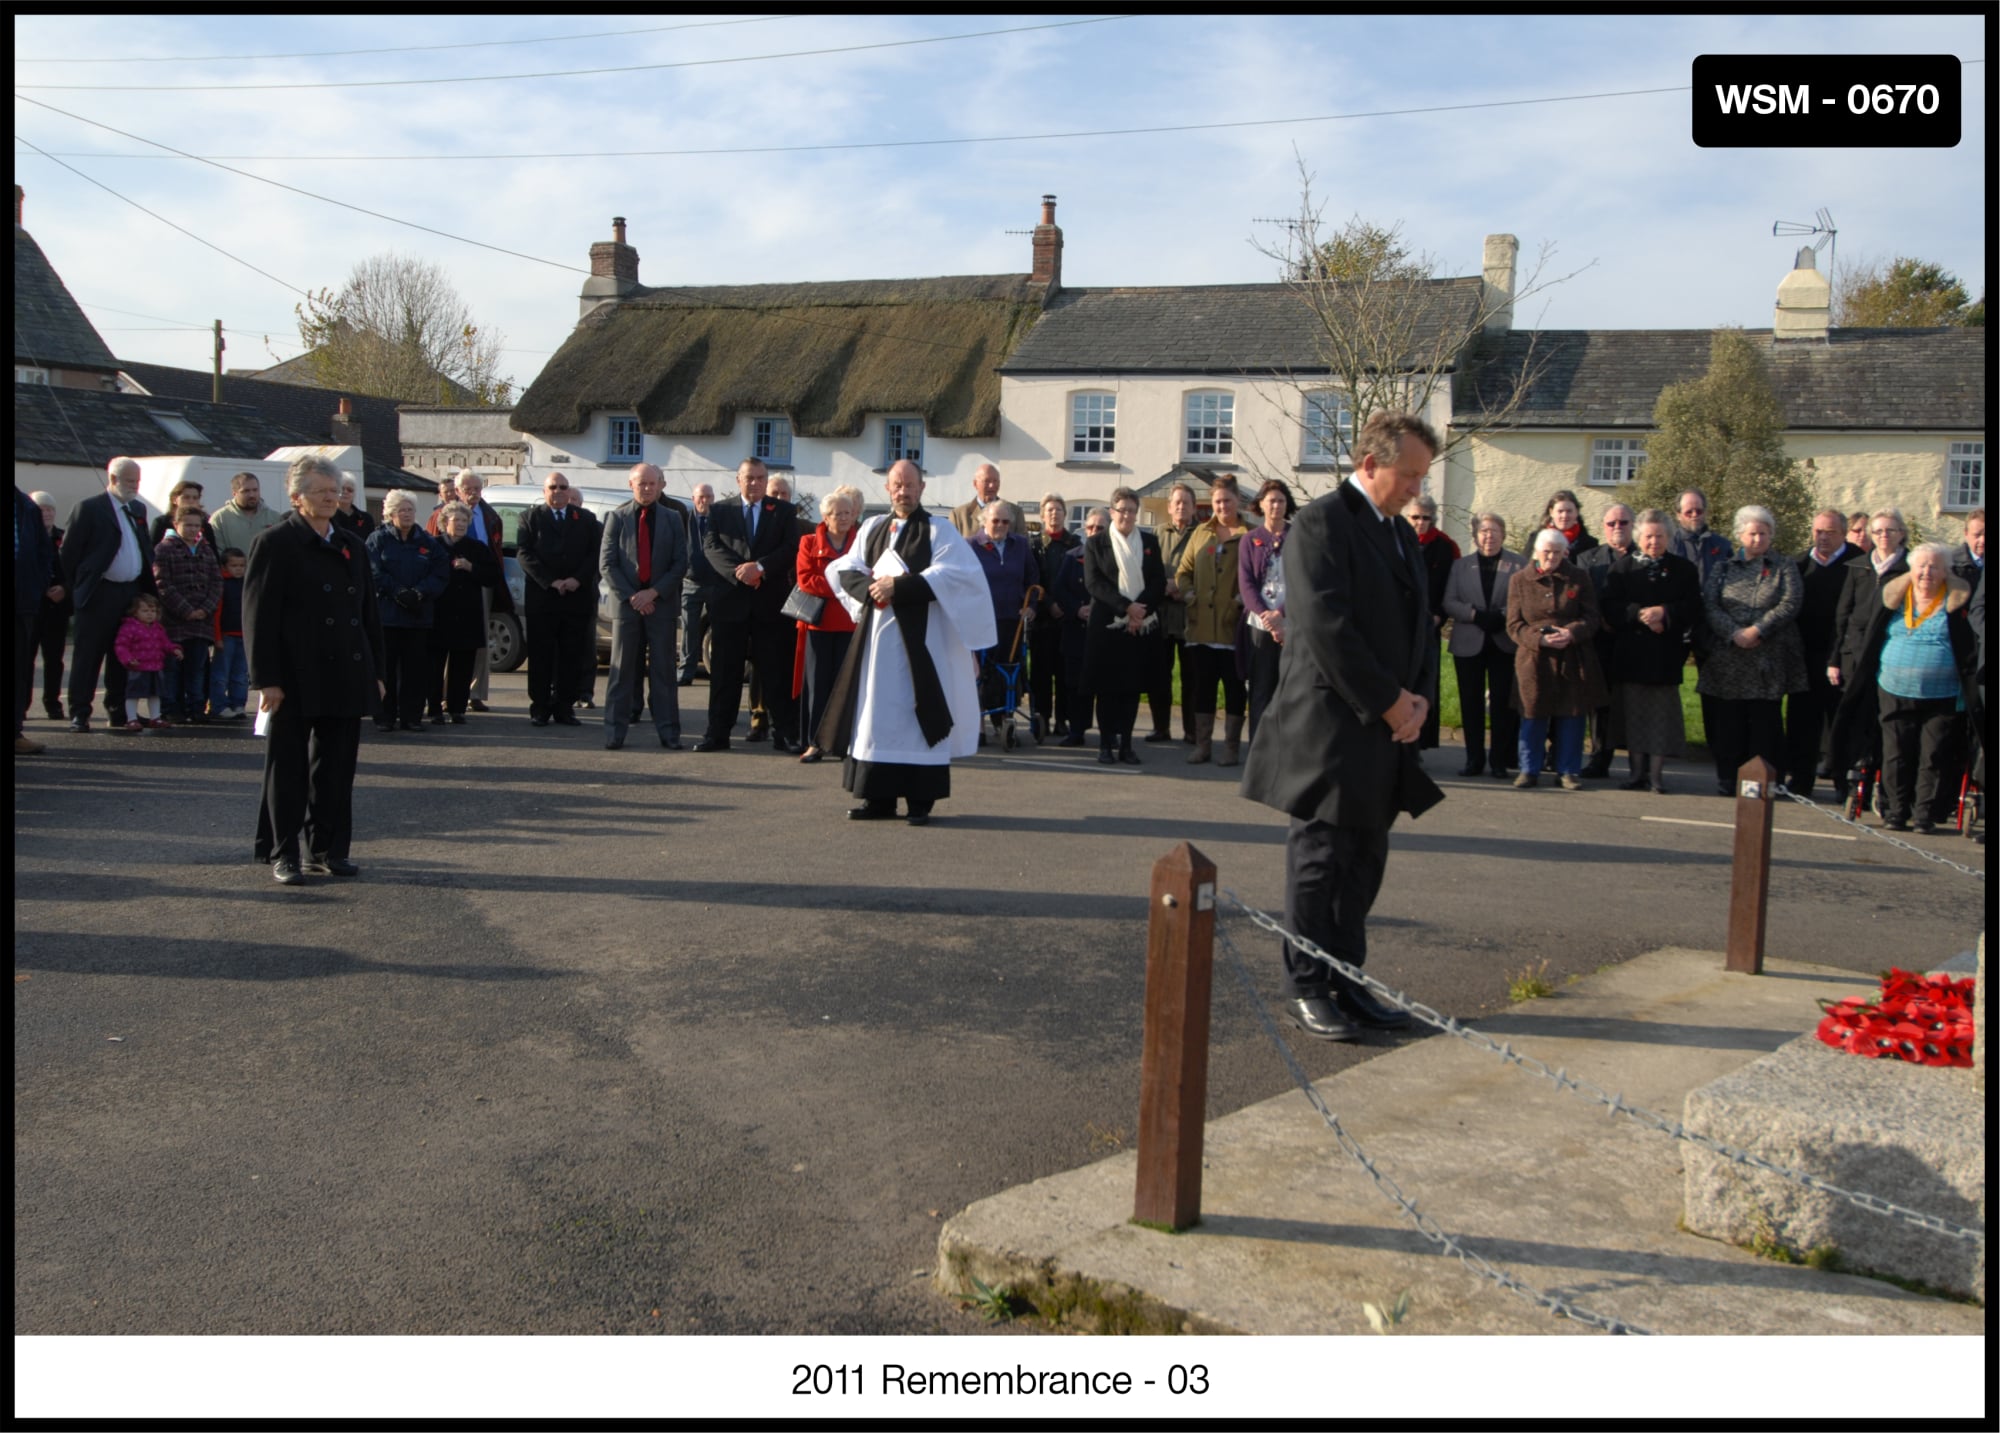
1859, 378
84, 428
1214, 328
686, 361
303, 372
301, 409
50, 330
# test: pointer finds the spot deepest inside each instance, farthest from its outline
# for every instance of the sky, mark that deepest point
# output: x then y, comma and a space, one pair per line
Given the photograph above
1647, 230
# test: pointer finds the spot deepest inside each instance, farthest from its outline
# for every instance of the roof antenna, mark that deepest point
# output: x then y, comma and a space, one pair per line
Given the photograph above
1822, 225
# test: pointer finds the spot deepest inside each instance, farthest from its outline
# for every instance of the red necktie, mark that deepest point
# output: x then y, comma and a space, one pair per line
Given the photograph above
646, 545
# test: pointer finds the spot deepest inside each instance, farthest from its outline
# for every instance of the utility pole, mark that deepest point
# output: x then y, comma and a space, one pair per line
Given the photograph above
216, 387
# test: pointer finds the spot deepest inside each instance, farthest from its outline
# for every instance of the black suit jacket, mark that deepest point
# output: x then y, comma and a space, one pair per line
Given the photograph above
550, 551
91, 544
32, 561
777, 546
1860, 595
1358, 633
1823, 584
310, 622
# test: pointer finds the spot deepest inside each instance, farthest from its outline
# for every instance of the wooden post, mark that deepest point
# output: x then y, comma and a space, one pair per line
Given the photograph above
216, 383
1173, 1066
1750, 870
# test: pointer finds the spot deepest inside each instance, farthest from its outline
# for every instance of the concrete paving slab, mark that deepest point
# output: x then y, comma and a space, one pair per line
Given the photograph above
1295, 1238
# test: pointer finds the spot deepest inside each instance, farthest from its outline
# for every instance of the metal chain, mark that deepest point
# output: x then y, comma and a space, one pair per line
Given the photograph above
1424, 1223
1563, 1080
1834, 815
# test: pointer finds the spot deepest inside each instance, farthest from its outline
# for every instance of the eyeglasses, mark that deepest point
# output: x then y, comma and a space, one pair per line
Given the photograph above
1000, 522
1618, 522
1123, 511
556, 487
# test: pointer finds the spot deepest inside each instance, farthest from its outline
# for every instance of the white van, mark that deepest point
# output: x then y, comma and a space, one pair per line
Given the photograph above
159, 476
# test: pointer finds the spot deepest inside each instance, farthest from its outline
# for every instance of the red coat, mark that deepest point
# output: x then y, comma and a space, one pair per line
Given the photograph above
816, 551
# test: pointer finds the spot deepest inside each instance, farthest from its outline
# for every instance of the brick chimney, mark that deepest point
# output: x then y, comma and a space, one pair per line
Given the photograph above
343, 428
1048, 248
1805, 300
614, 270
1497, 267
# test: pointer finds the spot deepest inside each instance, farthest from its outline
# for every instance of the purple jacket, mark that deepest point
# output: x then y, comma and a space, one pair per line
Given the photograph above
1254, 556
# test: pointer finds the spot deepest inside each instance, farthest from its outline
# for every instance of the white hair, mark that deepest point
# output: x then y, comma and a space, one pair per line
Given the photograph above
41, 499
1550, 537
1749, 513
120, 467
398, 499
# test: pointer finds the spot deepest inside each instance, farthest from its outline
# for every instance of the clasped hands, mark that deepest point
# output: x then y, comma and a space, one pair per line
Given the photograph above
1406, 716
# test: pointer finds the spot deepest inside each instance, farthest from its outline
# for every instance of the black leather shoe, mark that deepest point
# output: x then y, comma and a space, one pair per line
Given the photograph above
538, 721
415, 726
685, 682
613, 743
1316, 1015
1106, 756
1597, 770
811, 755
329, 866
457, 719
80, 725
872, 811
1472, 768
758, 733
671, 743
1155, 738
565, 719
477, 705
1129, 757
920, 818
1075, 738
1500, 773
712, 743
1360, 1005
784, 747
1637, 783
285, 871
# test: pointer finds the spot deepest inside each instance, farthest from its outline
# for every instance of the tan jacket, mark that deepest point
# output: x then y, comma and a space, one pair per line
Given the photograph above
1207, 579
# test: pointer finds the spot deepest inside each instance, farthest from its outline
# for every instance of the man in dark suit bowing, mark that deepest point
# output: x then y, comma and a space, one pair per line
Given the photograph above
753, 545
558, 546
1337, 748
106, 559
643, 557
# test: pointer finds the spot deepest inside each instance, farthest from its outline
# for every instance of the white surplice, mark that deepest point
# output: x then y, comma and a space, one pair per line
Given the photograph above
960, 623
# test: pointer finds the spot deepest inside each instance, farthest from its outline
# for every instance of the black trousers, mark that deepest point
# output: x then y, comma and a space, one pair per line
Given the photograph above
694, 623
308, 785
1809, 731
559, 642
1739, 730
768, 641
406, 673
1160, 688
1117, 712
1201, 668
1048, 684
1076, 710
1332, 875
1486, 684
96, 630
51, 635
825, 651
1427, 736
1920, 750
451, 680
1263, 684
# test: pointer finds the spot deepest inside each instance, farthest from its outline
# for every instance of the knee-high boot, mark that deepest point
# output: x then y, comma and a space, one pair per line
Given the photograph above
1232, 741
1204, 737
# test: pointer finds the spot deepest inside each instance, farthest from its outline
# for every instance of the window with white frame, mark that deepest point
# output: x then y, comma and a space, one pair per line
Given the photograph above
24, 373
1329, 427
1965, 476
1616, 460
1093, 425
1211, 425
627, 444
902, 438
771, 440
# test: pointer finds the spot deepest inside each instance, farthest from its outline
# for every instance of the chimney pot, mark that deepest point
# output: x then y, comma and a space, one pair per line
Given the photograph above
346, 408
1048, 242
1048, 208
618, 230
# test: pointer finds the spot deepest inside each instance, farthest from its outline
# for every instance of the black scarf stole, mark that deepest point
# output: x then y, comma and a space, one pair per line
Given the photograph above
913, 546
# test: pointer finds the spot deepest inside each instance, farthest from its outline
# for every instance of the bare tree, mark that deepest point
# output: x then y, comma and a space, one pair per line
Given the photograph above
397, 328
1389, 332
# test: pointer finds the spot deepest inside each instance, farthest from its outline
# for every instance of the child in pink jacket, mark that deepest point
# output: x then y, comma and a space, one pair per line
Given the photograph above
143, 647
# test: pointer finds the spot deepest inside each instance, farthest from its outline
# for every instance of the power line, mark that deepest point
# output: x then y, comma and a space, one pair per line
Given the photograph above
916, 143
276, 184
178, 322
602, 70
168, 222
393, 49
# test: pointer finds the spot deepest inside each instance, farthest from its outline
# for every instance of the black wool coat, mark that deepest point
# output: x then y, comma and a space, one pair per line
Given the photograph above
310, 624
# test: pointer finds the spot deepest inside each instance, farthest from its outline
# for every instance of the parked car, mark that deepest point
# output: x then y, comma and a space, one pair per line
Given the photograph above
506, 635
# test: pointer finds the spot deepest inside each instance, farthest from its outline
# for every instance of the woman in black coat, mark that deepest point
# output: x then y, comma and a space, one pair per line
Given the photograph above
1069, 590
1127, 584
458, 630
1651, 598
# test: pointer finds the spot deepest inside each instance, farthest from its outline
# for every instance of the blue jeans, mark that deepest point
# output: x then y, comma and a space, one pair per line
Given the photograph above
1569, 743
184, 680
228, 677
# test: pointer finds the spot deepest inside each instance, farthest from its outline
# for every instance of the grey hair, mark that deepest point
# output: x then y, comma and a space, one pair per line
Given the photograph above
304, 467
350, 480
396, 500
119, 467
467, 473
41, 499
1749, 513
1551, 537
448, 511
1939, 550
1425, 504
846, 490
1653, 517
1048, 498
1104, 513
1480, 520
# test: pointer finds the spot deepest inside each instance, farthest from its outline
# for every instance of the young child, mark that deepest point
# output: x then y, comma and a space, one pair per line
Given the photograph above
229, 673
190, 583
143, 646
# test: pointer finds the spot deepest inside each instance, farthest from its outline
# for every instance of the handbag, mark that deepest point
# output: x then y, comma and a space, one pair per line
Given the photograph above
803, 606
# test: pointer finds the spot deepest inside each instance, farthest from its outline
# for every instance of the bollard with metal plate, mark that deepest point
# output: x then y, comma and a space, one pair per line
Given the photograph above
1750, 868
1173, 1064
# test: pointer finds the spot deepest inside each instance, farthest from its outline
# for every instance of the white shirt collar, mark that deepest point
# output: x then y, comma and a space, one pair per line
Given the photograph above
1351, 478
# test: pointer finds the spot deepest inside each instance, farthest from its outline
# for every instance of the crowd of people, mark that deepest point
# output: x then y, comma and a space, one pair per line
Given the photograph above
1855, 660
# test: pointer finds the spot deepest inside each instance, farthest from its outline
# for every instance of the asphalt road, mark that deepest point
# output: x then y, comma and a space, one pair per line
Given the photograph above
637, 1041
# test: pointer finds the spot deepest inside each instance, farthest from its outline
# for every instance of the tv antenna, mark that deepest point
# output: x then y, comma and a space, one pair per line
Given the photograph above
1822, 225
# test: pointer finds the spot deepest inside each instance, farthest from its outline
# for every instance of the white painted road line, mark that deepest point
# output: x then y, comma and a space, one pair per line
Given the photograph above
1731, 826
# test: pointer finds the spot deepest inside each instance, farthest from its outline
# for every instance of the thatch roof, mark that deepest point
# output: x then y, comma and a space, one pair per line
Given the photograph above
827, 355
